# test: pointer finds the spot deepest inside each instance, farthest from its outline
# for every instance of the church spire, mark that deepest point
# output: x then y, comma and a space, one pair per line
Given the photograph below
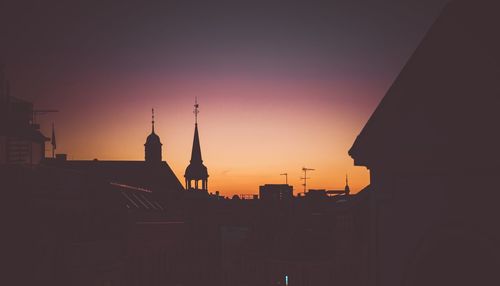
347, 190
196, 151
196, 171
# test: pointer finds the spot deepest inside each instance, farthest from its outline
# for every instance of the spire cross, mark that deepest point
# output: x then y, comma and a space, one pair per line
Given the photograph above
153, 120
196, 111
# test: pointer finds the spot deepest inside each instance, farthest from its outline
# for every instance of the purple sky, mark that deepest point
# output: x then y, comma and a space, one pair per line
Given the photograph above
281, 84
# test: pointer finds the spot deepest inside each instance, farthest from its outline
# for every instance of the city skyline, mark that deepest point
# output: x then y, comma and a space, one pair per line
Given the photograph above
253, 180
236, 143
304, 74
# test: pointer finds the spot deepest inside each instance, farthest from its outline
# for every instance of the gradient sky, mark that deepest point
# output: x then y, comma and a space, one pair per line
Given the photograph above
281, 84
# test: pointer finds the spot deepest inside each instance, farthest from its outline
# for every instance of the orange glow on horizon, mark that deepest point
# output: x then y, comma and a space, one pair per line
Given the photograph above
250, 133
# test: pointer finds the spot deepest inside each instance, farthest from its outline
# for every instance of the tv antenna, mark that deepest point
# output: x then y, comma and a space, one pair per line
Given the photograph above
286, 177
304, 169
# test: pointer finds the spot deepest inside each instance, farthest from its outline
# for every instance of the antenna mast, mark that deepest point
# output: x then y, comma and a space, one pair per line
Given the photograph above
304, 169
286, 177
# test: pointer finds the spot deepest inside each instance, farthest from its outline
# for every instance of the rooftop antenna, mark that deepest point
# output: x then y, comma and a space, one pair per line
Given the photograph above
196, 111
286, 177
304, 169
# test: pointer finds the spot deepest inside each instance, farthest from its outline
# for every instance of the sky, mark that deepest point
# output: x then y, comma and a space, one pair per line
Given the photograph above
281, 84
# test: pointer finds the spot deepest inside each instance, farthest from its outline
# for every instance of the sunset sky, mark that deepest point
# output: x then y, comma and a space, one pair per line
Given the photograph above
281, 84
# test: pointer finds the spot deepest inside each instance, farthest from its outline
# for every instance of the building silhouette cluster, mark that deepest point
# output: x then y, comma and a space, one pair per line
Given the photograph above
428, 217
98, 222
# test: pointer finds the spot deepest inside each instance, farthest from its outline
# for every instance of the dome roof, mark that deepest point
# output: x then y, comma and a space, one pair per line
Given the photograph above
196, 171
153, 139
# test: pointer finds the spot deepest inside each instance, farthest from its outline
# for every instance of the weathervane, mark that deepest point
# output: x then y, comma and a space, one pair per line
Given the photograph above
196, 111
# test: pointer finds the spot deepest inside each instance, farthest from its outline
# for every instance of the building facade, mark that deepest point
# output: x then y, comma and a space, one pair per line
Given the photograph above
21, 141
275, 192
432, 150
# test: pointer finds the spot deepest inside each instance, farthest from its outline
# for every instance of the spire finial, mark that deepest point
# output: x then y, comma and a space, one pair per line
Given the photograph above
196, 111
152, 120
346, 180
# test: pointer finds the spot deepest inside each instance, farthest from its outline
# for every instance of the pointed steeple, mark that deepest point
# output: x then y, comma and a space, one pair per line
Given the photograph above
196, 171
196, 151
347, 190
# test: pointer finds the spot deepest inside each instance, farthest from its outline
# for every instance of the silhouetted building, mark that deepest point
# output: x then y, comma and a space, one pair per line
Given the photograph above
196, 171
157, 177
81, 230
92, 222
275, 192
345, 191
307, 242
432, 148
153, 173
21, 141
319, 194
152, 147
316, 194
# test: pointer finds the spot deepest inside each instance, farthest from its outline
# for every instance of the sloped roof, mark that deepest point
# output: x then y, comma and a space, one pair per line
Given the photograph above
442, 110
138, 198
157, 177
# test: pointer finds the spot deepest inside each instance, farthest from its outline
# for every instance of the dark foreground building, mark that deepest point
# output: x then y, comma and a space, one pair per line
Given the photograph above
276, 192
72, 228
432, 147
132, 223
300, 241
20, 139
